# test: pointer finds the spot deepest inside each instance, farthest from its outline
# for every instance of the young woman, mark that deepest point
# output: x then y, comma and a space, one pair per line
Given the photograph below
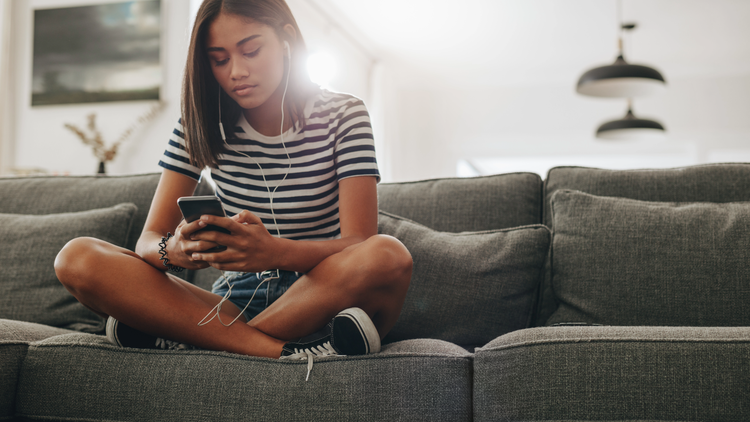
295, 170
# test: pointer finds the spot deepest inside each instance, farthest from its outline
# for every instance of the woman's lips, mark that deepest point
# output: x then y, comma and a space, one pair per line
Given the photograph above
243, 90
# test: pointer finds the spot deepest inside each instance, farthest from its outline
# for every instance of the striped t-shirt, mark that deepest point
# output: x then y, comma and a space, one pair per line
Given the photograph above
336, 143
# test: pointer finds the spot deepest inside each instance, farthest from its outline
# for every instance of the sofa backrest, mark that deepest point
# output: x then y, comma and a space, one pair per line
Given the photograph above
49, 195
466, 204
715, 183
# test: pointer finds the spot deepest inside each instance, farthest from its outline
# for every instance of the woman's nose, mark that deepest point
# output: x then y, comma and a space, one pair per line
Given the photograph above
238, 71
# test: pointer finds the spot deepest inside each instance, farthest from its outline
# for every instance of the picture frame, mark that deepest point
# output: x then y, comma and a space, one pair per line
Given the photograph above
97, 53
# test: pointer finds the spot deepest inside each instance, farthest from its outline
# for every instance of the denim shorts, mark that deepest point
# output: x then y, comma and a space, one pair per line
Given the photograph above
276, 283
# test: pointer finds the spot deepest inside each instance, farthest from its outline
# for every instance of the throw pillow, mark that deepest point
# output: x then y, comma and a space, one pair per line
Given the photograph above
468, 288
29, 288
620, 261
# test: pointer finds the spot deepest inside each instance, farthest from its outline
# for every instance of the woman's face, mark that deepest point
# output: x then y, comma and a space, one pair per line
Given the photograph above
247, 59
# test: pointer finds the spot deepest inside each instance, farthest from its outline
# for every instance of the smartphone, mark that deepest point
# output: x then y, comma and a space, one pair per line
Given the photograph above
193, 207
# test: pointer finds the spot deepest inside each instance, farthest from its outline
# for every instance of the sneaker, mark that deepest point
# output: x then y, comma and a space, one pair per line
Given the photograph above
122, 335
351, 332
316, 344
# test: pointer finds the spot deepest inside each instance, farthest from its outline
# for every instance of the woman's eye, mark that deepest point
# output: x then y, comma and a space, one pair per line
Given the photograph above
253, 54
220, 62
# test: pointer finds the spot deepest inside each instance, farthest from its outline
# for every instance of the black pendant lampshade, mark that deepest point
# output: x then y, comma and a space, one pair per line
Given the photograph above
630, 128
621, 79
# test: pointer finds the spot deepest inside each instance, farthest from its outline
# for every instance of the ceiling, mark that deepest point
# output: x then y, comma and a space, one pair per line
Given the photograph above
509, 42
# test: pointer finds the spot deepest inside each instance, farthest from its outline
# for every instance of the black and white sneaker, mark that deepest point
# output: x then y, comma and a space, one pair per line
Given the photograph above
351, 332
122, 335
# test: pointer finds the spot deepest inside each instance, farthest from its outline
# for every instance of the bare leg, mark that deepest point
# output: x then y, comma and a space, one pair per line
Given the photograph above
373, 275
114, 281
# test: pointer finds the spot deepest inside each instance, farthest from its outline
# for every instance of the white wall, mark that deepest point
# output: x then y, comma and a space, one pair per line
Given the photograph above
38, 140
705, 117
38, 136
493, 81
359, 69
423, 126
6, 101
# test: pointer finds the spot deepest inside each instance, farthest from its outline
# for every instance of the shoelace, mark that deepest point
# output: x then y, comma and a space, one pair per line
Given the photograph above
172, 345
323, 350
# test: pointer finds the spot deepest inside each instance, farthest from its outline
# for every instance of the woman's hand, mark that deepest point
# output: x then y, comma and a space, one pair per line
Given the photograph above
180, 248
250, 248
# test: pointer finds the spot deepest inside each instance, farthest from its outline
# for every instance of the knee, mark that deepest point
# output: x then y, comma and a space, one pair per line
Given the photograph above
76, 261
389, 258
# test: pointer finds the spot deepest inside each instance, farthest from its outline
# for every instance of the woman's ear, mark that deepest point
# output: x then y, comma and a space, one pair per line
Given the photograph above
291, 34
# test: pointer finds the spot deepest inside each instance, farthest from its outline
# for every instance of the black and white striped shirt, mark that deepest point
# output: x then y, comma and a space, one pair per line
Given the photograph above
336, 143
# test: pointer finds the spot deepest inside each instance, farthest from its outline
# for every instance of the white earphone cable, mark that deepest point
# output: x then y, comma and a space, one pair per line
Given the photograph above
217, 308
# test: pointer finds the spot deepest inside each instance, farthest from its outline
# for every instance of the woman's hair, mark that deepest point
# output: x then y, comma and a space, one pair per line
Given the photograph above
201, 92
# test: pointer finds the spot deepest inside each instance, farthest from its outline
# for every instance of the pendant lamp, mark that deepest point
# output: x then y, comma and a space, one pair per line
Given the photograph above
631, 128
621, 79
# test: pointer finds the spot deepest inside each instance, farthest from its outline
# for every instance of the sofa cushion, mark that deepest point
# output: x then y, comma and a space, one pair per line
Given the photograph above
52, 195
466, 204
419, 380
614, 373
29, 288
704, 183
470, 287
15, 337
620, 261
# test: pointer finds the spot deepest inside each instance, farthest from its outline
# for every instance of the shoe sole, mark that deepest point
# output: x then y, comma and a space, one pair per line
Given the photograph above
365, 326
111, 331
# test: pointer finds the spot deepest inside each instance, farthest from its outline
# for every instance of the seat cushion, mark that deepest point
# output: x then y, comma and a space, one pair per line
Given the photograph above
704, 183
81, 376
619, 261
15, 337
466, 204
29, 288
468, 288
614, 373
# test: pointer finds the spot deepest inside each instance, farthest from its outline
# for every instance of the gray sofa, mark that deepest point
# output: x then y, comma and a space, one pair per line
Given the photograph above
592, 295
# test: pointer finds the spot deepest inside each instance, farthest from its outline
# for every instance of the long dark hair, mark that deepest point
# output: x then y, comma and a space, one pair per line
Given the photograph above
201, 91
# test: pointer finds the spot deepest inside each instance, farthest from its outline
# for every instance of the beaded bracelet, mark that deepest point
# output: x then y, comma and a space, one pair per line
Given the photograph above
163, 252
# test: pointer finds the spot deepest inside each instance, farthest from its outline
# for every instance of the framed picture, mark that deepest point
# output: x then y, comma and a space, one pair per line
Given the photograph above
106, 52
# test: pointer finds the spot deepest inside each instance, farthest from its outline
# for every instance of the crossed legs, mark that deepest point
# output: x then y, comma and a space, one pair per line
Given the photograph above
373, 275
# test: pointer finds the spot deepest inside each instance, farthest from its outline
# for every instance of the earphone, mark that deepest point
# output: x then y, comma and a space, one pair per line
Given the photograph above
217, 308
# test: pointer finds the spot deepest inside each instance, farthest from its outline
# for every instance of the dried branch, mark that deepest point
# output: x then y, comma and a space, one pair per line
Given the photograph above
94, 137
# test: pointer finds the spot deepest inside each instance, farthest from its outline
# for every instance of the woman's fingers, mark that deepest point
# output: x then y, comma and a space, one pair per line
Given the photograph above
246, 217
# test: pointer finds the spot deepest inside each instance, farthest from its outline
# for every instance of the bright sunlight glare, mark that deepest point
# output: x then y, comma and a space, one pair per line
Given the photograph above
321, 67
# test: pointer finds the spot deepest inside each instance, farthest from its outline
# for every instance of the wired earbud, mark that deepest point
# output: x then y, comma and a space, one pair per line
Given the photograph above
221, 125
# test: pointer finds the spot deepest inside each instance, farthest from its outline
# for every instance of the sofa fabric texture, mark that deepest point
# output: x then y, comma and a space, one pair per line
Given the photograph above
717, 183
466, 204
621, 261
51, 195
32, 292
465, 347
419, 380
15, 337
614, 373
494, 272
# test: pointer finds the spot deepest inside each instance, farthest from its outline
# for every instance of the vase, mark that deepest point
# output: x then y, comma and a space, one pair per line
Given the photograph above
102, 168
